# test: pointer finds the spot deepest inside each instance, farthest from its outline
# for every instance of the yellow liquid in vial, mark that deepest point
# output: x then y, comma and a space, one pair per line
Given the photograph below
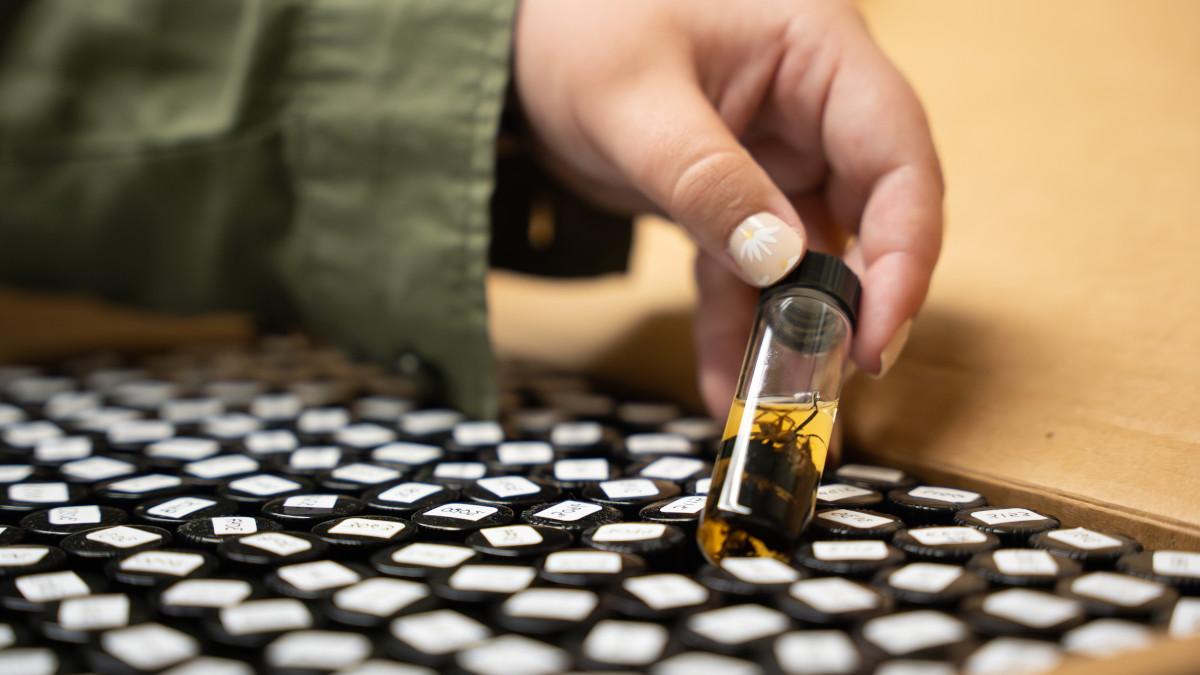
764, 486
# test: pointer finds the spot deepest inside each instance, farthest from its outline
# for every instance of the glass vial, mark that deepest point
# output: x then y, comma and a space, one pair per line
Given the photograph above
773, 450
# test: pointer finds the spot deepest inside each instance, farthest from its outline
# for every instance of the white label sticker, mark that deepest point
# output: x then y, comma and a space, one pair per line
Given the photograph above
856, 519
1176, 563
173, 563
592, 469
213, 593
318, 650
576, 433
525, 453
816, 651
441, 631
478, 433
51, 586
1118, 589
70, 403
368, 527
509, 486
1022, 561
184, 449
95, 469
412, 454
148, 483
29, 434
672, 468
264, 484
271, 442
74, 515
657, 444
22, 556
1014, 655
381, 408
629, 531
139, 431
29, 661
560, 604
460, 470
871, 473
280, 544
276, 406
511, 535
432, 555
322, 420
94, 612
1001, 516
949, 535
180, 507
925, 577
908, 632
149, 646
666, 591
425, 422
1185, 618
629, 488
311, 502
943, 494
220, 467
738, 624
1103, 638
315, 458
231, 426
1031, 608
122, 536
318, 576
364, 435
760, 570
461, 511
849, 550
686, 505
11, 473
407, 493
190, 409
625, 643
492, 578
380, 596
583, 562
39, 493
834, 595
568, 511
367, 474
265, 616
224, 525
63, 449
1083, 538
836, 492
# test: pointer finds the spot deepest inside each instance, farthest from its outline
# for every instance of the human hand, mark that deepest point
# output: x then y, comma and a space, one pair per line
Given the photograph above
763, 128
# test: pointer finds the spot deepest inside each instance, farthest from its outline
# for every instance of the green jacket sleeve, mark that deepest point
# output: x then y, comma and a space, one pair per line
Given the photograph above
329, 161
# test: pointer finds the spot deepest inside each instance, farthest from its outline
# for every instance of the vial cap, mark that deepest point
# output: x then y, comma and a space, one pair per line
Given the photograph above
825, 273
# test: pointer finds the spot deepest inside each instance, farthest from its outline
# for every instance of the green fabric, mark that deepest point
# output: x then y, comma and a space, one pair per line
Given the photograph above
328, 160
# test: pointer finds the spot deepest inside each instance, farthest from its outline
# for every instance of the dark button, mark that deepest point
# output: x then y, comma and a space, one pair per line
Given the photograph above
210, 532
51, 525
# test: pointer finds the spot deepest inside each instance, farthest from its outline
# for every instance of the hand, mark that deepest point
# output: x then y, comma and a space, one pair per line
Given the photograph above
762, 128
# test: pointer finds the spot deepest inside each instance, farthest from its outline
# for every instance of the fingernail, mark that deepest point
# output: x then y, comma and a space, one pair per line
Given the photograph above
892, 351
765, 248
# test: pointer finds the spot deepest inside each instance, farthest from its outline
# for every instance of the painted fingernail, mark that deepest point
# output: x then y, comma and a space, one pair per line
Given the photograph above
765, 248
892, 351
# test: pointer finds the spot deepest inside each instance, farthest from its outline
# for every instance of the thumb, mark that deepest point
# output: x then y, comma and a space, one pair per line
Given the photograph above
675, 149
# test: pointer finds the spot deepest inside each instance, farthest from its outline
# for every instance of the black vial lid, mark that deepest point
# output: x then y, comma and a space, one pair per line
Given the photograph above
733, 629
573, 473
307, 461
511, 491
854, 524
1023, 567
403, 499
929, 504
429, 426
657, 444
51, 525
680, 511
420, 560
457, 475
825, 273
704, 432
373, 602
302, 511
653, 541
750, 577
173, 511
26, 497
198, 597
361, 535
935, 584
254, 623
581, 438
363, 436
874, 477
1013, 526
314, 579
518, 541
819, 651
853, 558
1180, 569
833, 601
30, 559
942, 636
222, 468
548, 611
105, 543
571, 515
630, 494
11, 534
945, 543
659, 597
455, 520
35, 592
1022, 612
846, 496
645, 416
521, 456
96, 469
159, 567
271, 549
252, 491
356, 477
210, 532
432, 638
475, 582
407, 456
677, 470
473, 437
1092, 549
1108, 594
588, 567
79, 620
606, 647
132, 489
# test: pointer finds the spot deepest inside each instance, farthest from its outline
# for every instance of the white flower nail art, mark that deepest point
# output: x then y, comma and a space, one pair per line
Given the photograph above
765, 248
756, 240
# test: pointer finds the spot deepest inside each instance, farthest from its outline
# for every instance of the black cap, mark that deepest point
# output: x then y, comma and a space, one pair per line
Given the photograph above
825, 273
